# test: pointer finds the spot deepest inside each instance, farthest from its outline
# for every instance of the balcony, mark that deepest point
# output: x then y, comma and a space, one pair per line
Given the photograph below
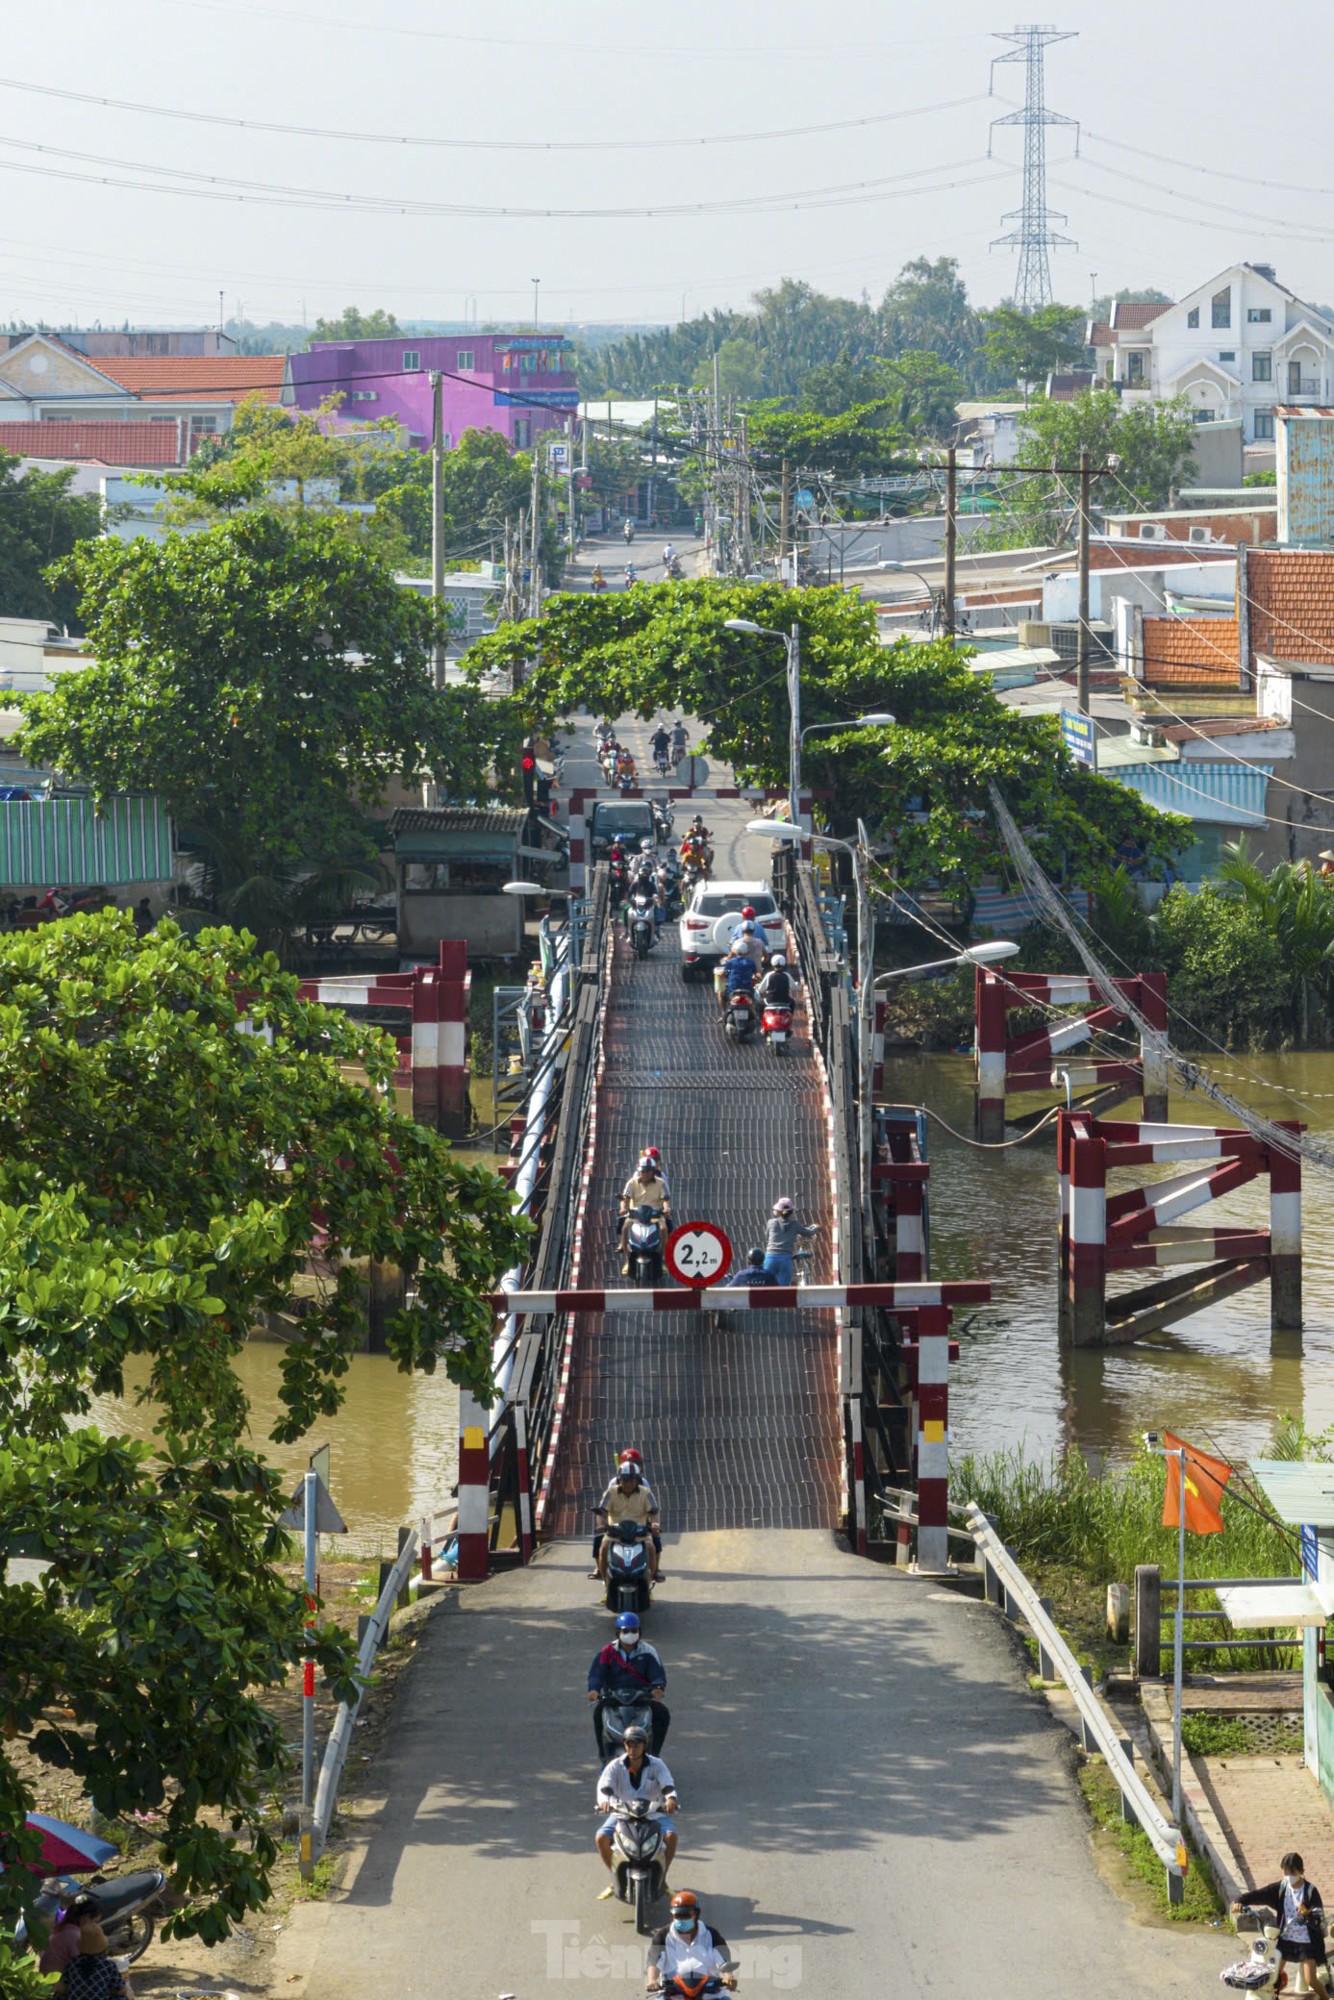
1302, 388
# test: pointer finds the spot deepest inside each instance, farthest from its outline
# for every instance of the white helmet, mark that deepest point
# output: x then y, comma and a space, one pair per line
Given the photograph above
779, 958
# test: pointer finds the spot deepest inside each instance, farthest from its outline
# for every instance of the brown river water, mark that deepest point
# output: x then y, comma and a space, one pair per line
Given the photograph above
1219, 1376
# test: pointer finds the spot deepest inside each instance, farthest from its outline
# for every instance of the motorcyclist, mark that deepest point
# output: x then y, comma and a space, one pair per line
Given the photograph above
629, 1456
781, 1240
678, 741
627, 1670
625, 765
668, 555
739, 973
662, 743
747, 939
634, 1776
645, 1188
687, 1945
631, 576
598, 581
778, 988
628, 529
628, 1499
751, 1273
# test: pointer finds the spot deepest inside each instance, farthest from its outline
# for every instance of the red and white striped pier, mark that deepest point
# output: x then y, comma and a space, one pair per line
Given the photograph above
1009, 1065
433, 1053
1137, 1228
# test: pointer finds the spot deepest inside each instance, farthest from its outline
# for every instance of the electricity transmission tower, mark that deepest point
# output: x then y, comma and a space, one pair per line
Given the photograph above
1035, 236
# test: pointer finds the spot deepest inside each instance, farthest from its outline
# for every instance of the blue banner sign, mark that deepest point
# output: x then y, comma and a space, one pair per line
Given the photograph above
1077, 733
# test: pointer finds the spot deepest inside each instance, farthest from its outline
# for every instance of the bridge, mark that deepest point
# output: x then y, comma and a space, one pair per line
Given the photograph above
872, 1800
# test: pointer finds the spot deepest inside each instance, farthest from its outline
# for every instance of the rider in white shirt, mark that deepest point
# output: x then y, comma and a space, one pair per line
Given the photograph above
687, 1946
632, 1777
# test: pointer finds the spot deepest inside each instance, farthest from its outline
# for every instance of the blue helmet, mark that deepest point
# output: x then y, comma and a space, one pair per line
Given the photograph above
628, 1622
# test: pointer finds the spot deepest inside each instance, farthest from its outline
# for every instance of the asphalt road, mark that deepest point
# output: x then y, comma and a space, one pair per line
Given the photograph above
873, 1803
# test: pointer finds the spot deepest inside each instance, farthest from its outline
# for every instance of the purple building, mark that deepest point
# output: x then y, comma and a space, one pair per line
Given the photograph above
519, 384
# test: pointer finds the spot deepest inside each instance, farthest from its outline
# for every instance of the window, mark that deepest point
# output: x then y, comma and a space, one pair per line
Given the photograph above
1228, 354
1222, 307
412, 360
203, 423
1203, 416
1135, 367
1193, 316
463, 360
1262, 368
1264, 426
1259, 315
523, 433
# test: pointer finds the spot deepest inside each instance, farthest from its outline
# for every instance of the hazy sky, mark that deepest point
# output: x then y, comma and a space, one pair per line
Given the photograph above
1232, 99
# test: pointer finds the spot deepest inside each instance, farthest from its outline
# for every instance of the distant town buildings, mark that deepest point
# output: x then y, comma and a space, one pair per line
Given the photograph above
519, 384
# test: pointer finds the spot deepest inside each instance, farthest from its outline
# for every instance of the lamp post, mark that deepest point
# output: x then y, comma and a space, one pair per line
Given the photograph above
971, 954
522, 889
877, 720
792, 644
934, 597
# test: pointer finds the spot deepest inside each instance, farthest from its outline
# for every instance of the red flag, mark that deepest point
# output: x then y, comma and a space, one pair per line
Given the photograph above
1205, 1479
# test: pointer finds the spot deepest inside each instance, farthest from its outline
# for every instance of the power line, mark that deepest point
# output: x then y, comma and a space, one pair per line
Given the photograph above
219, 187
637, 145
1214, 173
1035, 236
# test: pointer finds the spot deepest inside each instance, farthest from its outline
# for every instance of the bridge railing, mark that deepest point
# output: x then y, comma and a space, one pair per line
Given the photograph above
522, 1423
1007, 1586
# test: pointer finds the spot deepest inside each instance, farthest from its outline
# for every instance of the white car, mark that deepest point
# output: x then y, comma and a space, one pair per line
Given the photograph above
713, 914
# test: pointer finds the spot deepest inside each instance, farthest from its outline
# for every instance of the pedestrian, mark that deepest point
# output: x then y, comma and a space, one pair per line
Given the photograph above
781, 1241
93, 1974
1300, 1912
143, 917
63, 1943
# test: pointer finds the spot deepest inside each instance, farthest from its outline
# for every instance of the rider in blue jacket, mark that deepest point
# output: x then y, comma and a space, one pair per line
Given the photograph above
628, 1668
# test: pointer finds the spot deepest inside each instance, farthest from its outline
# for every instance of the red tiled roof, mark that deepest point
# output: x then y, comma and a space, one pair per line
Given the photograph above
176, 378
96, 443
1292, 604
1129, 315
1100, 334
1192, 651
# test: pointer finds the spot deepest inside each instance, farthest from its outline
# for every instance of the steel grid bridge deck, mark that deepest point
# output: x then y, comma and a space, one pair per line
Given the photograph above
739, 1429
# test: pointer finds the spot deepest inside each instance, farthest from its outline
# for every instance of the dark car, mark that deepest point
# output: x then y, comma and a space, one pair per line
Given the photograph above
632, 819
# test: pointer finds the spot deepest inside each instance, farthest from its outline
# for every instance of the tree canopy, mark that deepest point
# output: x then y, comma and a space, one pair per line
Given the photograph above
265, 679
1027, 347
922, 784
353, 324
40, 521
1154, 445
164, 1180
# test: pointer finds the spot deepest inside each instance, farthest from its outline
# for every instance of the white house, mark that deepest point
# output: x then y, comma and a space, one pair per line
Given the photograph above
1235, 348
44, 383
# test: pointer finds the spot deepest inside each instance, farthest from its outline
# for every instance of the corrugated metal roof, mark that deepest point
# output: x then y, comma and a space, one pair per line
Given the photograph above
67, 841
1300, 1493
457, 819
1229, 794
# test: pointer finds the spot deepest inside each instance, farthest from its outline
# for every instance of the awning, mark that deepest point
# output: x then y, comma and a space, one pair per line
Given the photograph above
67, 841
1300, 1491
1254, 1607
1224, 794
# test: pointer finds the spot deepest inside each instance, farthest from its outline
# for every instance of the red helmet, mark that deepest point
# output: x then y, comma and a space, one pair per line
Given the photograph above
637, 1457
748, 912
652, 1153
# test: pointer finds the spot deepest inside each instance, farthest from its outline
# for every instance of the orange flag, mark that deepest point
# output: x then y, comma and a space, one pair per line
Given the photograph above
1205, 1479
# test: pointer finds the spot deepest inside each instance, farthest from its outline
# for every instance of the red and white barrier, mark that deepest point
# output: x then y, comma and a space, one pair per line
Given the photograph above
433, 1056
1025, 1062
933, 1470
474, 1490
744, 1298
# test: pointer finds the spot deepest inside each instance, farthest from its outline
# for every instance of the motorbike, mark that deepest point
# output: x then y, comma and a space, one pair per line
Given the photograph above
739, 1016
673, 572
615, 1714
628, 1586
603, 734
607, 762
643, 1243
628, 531
692, 1986
627, 781
669, 888
637, 1865
662, 763
776, 1027
663, 820
642, 923
127, 1907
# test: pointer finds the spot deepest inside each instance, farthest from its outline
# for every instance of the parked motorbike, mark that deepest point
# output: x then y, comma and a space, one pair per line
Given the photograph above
628, 1587
739, 1016
776, 1027
127, 1907
643, 1242
637, 1866
642, 925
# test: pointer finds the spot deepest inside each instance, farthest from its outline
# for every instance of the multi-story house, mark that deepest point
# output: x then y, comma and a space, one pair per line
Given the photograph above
519, 384
51, 387
1236, 348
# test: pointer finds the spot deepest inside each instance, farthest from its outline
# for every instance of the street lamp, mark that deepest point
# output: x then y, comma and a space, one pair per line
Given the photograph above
934, 597
972, 954
791, 642
877, 720
522, 889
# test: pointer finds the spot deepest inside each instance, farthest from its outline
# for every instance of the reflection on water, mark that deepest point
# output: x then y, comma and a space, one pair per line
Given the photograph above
1218, 1375
394, 1444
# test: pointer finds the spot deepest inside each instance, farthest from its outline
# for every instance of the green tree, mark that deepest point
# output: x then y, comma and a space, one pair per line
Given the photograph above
926, 310
1224, 966
861, 439
485, 484
265, 679
741, 370
1153, 443
40, 521
922, 784
1027, 347
1296, 907
353, 324
164, 1182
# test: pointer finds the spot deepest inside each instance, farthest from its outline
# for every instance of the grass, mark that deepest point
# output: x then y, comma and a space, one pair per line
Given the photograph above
1075, 1531
1214, 1735
1201, 1903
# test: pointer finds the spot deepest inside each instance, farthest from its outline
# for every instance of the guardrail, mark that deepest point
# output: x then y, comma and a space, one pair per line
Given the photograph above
340, 1736
1007, 1586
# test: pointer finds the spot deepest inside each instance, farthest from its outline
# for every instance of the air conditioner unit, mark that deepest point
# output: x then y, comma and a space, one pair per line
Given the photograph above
1152, 531
1200, 535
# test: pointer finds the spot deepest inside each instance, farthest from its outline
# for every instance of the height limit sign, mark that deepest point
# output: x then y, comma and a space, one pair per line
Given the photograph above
698, 1253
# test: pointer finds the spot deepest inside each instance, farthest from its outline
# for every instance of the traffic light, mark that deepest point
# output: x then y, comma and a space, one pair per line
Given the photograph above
528, 767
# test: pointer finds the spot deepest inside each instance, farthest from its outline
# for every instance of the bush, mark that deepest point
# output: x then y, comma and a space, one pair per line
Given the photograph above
1225, 970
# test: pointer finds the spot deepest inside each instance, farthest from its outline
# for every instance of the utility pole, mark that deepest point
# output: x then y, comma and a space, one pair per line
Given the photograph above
794, 740
438, 520
951, 536
1082, 657
573, 536
1035, 236
535, 538
784, 514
